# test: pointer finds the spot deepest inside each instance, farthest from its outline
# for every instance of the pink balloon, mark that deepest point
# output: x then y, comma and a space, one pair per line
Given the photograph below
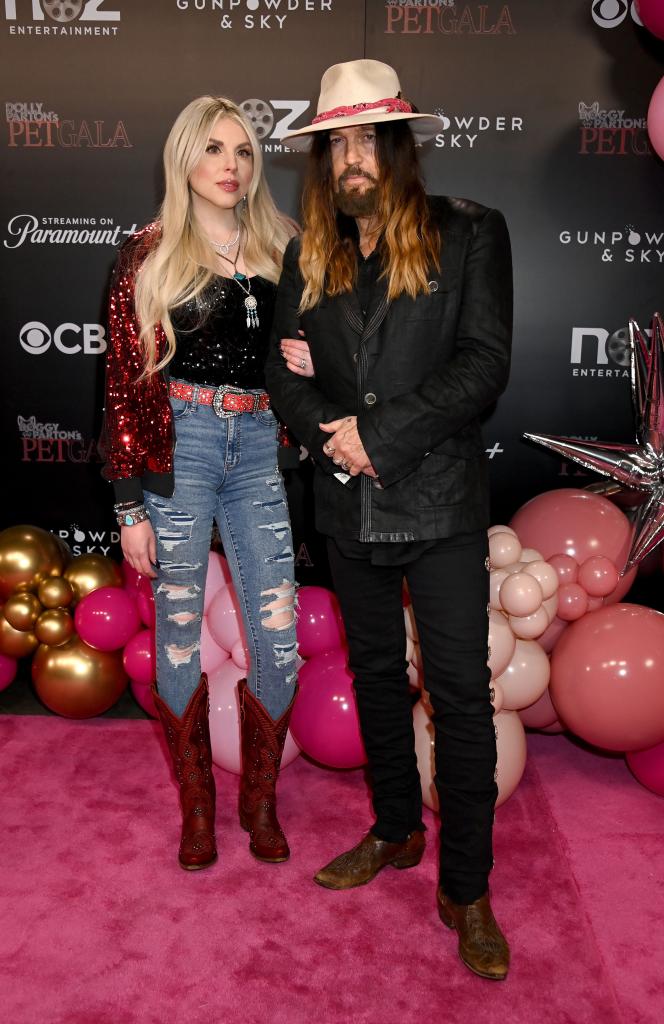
594, 603
540, 714
521, 594
240, 655
218, 577
146, 602
498, 696
106, 619
224, 720
606, 677
325, 722
504, 548
526, 677
554, 728
139, 659
409, 618
648, 767
530, 555
572, 602
550, 606
319, 624
212, 655
512, 752
598, 576
651, 13
552, 634
546, 576
7, 670
528, 627
143, 696
224, 619
496, 579
500, 529
501, 643
566, 568
130, 576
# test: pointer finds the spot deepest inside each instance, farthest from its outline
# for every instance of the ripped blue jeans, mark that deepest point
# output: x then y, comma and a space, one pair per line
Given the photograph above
226, 470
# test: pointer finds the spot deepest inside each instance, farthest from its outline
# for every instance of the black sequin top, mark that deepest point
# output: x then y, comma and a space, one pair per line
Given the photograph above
214, 346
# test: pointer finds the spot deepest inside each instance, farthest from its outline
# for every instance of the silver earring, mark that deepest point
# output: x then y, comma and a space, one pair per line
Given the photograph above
244, 202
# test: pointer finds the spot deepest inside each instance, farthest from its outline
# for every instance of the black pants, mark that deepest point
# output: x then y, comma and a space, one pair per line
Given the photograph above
449, 589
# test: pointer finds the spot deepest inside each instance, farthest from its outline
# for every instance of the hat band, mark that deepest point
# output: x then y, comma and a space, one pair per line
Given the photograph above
392, 105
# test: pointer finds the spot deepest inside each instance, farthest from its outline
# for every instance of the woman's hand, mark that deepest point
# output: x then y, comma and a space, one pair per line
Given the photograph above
297, 355
139, 547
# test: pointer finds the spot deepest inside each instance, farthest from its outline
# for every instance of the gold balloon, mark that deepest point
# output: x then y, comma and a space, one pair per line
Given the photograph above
76, 681
14, 642
90, 572
55, 592
22, 611
54, 627
28, 555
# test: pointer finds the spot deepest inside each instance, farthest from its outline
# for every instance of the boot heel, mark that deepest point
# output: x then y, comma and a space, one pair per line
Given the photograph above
244, 822
442, 914
410, 861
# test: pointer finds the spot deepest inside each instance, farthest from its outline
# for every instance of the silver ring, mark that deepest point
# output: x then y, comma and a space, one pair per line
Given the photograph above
303, 363
328, 449
344, 464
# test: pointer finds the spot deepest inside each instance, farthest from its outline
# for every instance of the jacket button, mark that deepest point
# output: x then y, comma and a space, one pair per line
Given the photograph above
369, 398
354, 357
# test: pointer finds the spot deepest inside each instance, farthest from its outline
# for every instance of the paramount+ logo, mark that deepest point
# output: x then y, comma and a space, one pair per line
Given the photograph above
69, 339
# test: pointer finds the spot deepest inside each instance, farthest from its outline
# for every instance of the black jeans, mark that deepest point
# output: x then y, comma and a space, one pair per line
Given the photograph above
449, 589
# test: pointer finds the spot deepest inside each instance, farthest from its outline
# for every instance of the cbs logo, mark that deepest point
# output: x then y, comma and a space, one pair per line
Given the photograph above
611, 13
70, 339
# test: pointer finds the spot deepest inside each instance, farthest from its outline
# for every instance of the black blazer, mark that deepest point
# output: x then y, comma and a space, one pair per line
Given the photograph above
417, 373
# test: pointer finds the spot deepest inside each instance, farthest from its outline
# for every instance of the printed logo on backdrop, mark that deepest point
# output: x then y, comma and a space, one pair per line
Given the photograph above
611, 13
429, 17
464, 131
611, 132
84, 542
49, 442
618, 245
62, 17
69, 339
31, 125
255, 14
26, 227
596, 352
272, 119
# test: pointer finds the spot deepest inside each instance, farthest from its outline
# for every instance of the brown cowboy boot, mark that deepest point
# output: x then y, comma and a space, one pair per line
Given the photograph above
482, 945
361, 864
188, 741
262, 746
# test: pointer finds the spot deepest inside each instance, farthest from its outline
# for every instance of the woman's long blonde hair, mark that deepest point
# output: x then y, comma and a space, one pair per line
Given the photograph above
182, 262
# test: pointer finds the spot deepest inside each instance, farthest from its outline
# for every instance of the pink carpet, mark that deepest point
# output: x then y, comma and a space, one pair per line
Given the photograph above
100, 926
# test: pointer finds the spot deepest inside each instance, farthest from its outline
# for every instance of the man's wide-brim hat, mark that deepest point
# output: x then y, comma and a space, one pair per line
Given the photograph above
362, 92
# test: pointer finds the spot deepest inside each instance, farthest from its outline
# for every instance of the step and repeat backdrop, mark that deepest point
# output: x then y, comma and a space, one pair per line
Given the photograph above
543, 115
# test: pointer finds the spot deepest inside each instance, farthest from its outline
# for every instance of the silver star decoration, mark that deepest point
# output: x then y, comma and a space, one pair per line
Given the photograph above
638, 466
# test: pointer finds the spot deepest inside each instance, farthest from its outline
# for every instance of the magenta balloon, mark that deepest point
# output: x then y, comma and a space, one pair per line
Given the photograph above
7, 670
572, 602
107, 618
325, 722
648, 767
143, 697
138, 658
218, 577
598, 576
130, 576
224, 618
145, 602
319, 624
606, 677
651, 13
576, 523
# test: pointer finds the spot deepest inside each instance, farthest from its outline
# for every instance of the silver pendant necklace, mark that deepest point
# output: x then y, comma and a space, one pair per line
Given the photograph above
250, 301
223, 248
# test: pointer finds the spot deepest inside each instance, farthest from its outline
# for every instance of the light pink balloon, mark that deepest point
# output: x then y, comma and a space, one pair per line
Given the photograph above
515, 567
425, 753
521, 594
240, 655
566, 568
496, 580
414, 677
648, 767
598, 576
528, 627
225, 720
572, 602
143, 696
526, 677
546, 576
540, 714
417, 657
500, 529
107, 618
212, 655
512, 752
224, 618
7, 670
218, 577
552, 634
411, 627
138, 658
319, 624
651, 13
504, 548
530, 555
501, 642
550, 606
325, 722
498, 696
606, 677
409, 649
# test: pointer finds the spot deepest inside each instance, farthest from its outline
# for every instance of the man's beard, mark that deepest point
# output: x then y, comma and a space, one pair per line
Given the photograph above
356, 203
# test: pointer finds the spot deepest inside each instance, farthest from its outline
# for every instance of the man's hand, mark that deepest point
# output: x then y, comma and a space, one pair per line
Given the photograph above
140, 547
345, 448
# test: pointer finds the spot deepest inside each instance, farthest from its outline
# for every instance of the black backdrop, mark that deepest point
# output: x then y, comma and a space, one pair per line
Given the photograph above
543, 112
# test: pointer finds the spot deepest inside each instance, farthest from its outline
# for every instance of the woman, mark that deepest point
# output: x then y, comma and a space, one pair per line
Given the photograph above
190, 438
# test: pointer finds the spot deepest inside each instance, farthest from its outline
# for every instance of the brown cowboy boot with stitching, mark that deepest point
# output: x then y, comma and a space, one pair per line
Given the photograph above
188, 741
482, 945
361, 864
262, 746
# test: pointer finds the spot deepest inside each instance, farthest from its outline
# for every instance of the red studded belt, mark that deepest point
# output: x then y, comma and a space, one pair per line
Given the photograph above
226, 400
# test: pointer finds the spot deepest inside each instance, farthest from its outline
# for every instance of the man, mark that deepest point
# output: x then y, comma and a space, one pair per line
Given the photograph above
405, 302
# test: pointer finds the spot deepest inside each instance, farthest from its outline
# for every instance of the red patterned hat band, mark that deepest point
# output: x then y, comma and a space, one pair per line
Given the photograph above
391, 105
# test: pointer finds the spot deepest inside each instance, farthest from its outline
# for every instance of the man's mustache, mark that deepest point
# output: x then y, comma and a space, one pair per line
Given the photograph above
356, 172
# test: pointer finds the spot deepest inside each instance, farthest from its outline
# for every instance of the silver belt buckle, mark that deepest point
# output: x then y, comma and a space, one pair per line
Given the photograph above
217, 401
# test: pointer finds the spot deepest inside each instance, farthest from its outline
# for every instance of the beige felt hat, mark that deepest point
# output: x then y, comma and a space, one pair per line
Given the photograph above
362, 92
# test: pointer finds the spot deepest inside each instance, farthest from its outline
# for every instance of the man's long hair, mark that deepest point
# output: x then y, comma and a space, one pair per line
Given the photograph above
410, 242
